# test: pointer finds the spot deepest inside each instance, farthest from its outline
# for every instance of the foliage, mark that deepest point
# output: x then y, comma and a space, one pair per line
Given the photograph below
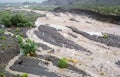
18, 18
63, 63
17, 29
28, 47
3, 37
2, 75
24, 75
105, 36
2, 31
19, 39
6, 20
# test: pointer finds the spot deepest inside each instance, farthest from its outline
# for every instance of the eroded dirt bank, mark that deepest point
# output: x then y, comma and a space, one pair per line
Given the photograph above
57, 40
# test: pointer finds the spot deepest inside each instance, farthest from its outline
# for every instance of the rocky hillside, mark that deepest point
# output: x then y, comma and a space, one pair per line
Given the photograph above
87, 2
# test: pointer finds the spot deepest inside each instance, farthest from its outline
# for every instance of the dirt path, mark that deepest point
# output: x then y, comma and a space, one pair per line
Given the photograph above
102, 61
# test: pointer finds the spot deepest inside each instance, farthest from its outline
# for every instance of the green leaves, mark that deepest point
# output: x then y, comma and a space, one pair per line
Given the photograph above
19, 39
63, 63
27, 46
6, 20
15, 20
24, 75
2, 75
105, 36
19, 20
2, 31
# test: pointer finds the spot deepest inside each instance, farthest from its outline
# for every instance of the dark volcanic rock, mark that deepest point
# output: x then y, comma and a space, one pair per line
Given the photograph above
112, 40
52, 36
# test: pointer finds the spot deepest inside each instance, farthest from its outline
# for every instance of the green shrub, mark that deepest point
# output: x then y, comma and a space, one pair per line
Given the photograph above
2, 75
15, 20
28, 47
24, 75
19, 39
17, 29
6, 20
2, 31
105, 36
3, 37
20, 20
63, 63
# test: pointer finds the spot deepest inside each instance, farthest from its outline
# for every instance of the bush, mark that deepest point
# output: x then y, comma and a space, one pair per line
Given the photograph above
19, 39
6, 21
24, 75
105, 36
20, 20
27, 47
2, 31
2, 75
63, 63
15, 20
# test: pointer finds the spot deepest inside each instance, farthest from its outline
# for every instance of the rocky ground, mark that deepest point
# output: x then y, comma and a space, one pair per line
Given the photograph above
72, 36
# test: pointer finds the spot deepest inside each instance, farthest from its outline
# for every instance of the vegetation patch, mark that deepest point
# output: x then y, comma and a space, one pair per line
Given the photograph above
27, 46
24, 75
18, 18
63, 63
105, 36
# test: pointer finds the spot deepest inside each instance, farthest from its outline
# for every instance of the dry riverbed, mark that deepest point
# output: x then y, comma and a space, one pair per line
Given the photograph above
75, 37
